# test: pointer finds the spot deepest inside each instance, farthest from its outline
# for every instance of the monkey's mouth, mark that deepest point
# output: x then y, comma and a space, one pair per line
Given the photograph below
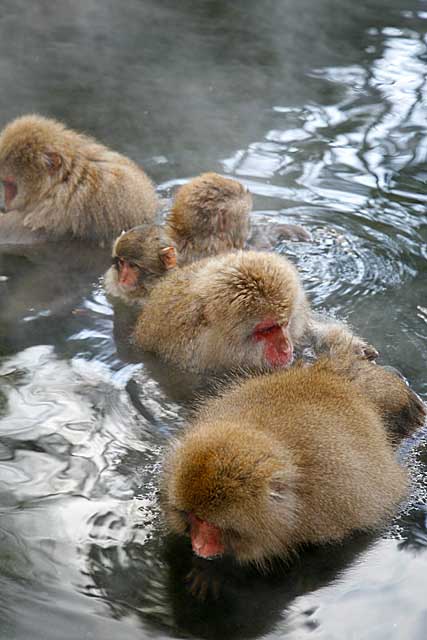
133, 290
205, 538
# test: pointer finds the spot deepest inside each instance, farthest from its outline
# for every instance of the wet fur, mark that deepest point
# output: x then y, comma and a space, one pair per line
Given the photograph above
299, 456
209, 216
201, 317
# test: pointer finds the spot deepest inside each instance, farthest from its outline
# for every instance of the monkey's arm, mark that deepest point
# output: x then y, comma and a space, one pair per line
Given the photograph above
266, 235
330, 336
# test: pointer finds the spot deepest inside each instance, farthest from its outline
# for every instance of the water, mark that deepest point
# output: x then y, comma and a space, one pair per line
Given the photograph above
319, 107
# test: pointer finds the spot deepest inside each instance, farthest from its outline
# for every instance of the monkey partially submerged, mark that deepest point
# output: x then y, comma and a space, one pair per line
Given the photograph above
297, 456
139, 258
243, 309
209, 216
62, 184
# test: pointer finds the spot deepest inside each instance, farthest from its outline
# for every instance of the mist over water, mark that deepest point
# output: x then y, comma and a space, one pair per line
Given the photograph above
320, 109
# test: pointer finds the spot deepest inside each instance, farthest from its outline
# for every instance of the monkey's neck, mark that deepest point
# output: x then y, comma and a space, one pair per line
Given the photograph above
190, 249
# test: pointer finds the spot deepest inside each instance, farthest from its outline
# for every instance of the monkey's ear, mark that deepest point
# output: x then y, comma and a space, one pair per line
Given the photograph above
168, 257
53, 161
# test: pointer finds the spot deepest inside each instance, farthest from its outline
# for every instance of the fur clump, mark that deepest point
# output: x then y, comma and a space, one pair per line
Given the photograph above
70, 185
299, 456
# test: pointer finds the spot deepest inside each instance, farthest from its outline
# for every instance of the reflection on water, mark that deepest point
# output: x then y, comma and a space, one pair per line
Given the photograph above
319, 108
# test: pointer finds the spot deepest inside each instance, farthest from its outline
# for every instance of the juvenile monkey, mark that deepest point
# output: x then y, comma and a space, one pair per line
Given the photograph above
245, 309
209, 216
140, 257
60, 183
294, 457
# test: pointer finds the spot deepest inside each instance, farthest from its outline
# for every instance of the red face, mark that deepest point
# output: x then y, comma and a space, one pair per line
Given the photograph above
128, 273
206, 538
10, 191
278, 349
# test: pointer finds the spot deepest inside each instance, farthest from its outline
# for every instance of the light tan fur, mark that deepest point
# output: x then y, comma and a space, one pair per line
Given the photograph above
201, 317
209, 216
297, 456
69, 185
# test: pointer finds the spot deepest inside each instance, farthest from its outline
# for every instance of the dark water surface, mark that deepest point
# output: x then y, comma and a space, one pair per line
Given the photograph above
321, 109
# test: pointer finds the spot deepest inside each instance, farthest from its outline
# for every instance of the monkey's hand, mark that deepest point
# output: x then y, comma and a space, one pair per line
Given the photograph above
334, 338
266, 235
364, 349
202, 584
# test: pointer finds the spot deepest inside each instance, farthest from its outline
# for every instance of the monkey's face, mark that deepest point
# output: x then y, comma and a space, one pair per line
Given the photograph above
276, 342
9, 191
129, 276
251, 531
139, 259
24, 182
266, 345
228, 493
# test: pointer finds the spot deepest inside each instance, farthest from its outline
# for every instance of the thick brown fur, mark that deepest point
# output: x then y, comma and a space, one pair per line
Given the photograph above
69, 185
201, 317
402, 411
142, 246
294, 457
209, 216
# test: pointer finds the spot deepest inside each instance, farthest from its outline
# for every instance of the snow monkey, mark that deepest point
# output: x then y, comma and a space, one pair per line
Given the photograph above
239, 310
140, 257
209, 216
58, 183
293, 457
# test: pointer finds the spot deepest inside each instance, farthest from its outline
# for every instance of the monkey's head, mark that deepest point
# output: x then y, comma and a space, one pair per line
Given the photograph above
140, 256
258, 305
210, 206
34, 156
232, 490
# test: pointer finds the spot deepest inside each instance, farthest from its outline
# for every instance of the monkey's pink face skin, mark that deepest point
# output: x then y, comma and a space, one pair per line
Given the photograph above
128, 274
10, 191
205, 538
278, 349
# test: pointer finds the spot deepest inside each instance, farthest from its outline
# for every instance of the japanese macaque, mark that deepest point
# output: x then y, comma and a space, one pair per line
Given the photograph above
209, 216
298, 456
58, 183
140, 257
238, 310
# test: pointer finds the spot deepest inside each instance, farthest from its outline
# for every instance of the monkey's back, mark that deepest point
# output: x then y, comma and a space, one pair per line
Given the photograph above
348, 476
